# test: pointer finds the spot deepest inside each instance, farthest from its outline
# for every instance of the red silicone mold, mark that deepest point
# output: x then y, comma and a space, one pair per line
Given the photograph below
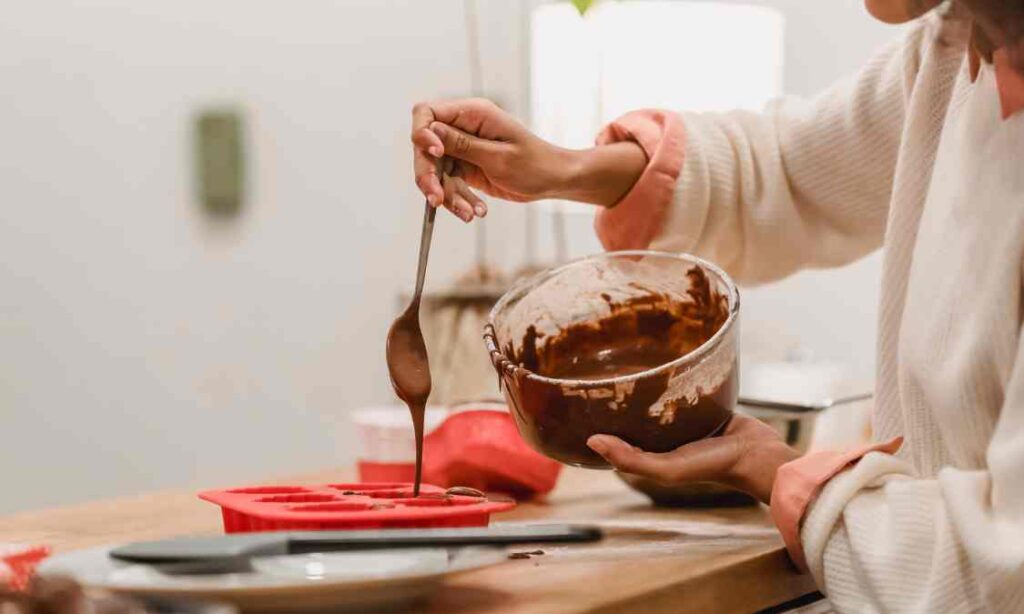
482, 449
348, 506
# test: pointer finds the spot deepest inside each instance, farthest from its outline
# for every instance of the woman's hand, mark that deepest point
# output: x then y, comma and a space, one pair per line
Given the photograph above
746, 456
496, 154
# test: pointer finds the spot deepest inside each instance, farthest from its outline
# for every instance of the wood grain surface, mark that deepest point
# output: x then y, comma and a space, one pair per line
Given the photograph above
652, 560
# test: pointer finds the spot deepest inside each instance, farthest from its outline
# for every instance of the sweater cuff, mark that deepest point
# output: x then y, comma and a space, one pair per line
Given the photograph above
798, 482
635, 220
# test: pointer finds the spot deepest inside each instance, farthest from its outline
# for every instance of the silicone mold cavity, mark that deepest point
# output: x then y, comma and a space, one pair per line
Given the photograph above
365, 488
268, 490
438, 502
311, 497
344, 506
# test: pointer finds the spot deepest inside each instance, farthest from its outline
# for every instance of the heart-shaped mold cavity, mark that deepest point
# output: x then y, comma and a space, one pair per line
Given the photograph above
269, 490
435, 501
298, 498
389, 494
366, 488
340, 506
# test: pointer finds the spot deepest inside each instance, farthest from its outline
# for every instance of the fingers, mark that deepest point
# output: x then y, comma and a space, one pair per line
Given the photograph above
431, 187
464, 146
705, 460
478, 116
427, 148
424, 168
461, 201
629, 459
422, 115
425, 140
473, 131
449, 200
477, 203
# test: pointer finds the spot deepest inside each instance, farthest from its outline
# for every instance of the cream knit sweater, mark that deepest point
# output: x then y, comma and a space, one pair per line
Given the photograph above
912, 157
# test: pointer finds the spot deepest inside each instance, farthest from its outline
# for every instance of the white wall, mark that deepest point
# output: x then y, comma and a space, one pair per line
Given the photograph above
140, 346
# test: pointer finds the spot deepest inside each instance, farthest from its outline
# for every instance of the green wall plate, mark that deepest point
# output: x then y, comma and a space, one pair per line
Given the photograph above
220, 161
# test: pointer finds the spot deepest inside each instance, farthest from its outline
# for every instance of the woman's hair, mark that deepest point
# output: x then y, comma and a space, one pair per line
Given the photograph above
989, 25
994, 24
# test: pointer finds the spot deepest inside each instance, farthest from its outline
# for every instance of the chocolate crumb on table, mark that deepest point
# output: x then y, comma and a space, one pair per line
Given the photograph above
525, 555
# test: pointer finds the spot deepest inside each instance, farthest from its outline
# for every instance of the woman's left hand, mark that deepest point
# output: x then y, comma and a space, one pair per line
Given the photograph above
746, 456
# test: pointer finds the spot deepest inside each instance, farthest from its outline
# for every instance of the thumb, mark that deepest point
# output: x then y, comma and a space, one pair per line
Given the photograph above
625, 457
465, 146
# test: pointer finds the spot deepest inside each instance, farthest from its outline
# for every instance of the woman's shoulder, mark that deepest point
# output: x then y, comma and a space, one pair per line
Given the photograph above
932, 52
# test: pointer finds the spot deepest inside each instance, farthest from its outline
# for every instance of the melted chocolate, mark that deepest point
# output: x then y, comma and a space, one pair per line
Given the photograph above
409, 369
637, 335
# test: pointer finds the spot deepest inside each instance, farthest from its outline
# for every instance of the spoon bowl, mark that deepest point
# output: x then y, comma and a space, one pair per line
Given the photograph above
408, 364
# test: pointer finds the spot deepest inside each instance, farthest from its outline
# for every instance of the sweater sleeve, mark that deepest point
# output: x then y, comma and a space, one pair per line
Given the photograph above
806, 184
878, 539
798, 482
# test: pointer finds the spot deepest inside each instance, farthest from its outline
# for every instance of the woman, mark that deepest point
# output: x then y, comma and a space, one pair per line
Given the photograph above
920, 154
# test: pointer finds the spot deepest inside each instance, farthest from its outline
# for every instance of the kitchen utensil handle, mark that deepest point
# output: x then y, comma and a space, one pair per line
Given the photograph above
425, 236
323, 541
805, 408
794, 408
427, 233
853, 398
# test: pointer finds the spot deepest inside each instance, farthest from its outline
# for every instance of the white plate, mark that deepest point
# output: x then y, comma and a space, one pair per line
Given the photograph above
349, 581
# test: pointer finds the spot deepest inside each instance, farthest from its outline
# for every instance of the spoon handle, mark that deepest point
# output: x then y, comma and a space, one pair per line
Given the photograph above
428, 232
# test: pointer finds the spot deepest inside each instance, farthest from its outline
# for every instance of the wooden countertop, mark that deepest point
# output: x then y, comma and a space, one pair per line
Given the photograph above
652, 561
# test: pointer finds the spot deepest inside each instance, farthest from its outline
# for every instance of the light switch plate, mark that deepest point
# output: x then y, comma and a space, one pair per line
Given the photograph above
220, 161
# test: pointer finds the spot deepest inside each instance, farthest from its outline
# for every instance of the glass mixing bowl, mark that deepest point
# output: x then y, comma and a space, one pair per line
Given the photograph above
637, 344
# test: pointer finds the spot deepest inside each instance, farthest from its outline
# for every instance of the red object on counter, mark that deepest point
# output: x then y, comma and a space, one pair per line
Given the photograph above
482, 449
348, 506
18, 564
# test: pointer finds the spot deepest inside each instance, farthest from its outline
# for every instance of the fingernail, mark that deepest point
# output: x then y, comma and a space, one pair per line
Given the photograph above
435, 151
480, 211
432, 199
438, 129
466, 217
597, 445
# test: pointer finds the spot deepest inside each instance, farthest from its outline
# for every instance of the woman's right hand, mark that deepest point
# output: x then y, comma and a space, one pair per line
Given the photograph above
497, 155
492, 151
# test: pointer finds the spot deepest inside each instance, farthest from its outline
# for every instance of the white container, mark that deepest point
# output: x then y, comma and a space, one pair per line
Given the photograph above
807, 381
385, 434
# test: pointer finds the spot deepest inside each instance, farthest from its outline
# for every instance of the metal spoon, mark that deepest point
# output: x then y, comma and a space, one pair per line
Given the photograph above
408, 365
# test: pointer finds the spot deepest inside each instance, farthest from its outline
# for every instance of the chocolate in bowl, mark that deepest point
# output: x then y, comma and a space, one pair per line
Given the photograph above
639, 344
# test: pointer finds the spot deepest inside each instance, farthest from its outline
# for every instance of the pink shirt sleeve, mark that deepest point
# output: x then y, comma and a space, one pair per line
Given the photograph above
636, 219
798, 482
1009, 82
